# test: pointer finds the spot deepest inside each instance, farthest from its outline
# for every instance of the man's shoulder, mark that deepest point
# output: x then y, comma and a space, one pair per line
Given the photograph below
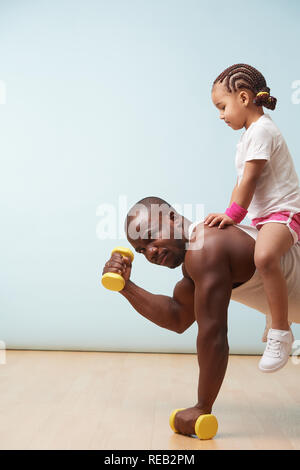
213, 248
207, 246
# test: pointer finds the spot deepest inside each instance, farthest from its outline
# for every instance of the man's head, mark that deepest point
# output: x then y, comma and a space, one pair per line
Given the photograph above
155, 229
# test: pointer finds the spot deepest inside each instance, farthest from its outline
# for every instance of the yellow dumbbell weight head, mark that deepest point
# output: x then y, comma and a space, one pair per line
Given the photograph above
172, 419
206, 426
114, 281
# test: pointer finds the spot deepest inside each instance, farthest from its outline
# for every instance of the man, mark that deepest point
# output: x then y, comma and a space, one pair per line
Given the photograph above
217, 265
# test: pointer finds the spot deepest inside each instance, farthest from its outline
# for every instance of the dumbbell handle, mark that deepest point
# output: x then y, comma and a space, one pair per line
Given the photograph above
114, 281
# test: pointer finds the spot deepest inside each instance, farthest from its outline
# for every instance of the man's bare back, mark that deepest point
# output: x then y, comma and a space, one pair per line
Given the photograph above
237, 244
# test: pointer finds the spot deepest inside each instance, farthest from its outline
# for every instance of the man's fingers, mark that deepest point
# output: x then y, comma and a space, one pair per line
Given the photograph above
183, 425
114, 265
127, 260
116, 256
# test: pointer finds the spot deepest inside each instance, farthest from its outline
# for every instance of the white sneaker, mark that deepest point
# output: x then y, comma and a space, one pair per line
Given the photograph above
278, 349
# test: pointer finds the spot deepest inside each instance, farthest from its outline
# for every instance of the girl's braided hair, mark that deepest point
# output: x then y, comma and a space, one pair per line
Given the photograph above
244, 76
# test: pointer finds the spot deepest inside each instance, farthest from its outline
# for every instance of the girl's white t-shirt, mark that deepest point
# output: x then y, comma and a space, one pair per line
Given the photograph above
277, 187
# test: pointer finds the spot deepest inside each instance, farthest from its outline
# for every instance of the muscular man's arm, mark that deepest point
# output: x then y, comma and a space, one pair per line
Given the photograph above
173, 313
211, 272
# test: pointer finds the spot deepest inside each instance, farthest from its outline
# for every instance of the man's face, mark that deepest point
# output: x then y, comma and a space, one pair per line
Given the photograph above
159, 239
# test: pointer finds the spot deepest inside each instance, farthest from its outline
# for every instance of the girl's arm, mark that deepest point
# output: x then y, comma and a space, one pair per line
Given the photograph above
233, 194
243, 194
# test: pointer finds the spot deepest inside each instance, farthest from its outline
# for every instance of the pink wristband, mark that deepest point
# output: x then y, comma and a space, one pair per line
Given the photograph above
236, 212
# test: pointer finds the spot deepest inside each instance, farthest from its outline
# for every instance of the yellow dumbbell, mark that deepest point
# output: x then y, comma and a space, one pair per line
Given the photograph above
172, 419
115, 281
206, 426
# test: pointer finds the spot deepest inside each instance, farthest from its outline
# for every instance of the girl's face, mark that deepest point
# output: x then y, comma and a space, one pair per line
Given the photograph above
232, 106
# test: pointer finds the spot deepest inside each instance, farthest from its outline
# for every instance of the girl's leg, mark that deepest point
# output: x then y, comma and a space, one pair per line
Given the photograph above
274, 240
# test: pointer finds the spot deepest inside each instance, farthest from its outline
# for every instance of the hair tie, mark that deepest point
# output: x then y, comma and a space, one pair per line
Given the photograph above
262, 93
267, 100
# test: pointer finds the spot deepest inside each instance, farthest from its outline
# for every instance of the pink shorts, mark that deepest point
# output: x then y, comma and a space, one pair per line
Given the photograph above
291, 219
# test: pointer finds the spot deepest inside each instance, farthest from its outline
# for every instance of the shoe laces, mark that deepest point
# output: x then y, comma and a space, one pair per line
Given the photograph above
273, 347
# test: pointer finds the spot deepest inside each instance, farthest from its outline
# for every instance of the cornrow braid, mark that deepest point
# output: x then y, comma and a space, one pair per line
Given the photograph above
244, 76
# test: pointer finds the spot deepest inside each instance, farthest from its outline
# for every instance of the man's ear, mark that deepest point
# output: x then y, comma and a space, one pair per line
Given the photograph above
176, 218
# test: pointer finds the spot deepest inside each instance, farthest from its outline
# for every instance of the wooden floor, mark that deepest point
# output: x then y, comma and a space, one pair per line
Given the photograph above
94, 400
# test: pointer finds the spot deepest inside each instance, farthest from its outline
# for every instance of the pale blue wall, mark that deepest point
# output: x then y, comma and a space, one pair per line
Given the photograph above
108, 98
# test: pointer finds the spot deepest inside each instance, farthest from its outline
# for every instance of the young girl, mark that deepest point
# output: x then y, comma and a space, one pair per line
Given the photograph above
267, 189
